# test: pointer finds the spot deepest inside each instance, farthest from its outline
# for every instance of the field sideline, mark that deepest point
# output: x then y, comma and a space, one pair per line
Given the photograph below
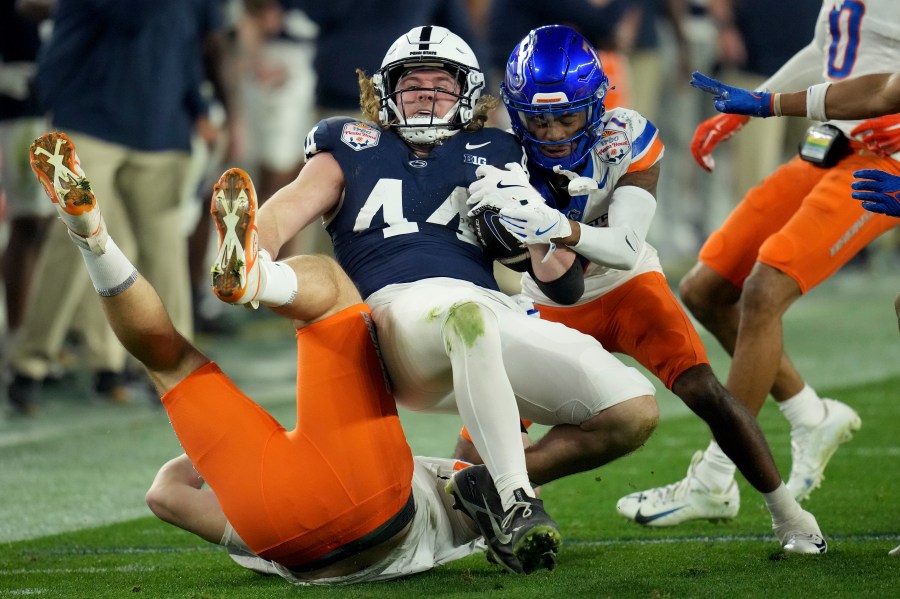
73, 522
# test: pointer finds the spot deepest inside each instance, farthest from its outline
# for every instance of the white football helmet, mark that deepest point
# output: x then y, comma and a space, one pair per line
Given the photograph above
424, 47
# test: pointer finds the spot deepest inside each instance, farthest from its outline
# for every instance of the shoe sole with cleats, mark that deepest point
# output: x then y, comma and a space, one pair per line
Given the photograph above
58, 169
235, 272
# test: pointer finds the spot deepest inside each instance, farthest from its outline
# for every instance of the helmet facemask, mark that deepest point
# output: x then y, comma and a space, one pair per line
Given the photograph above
552, 76
428, 48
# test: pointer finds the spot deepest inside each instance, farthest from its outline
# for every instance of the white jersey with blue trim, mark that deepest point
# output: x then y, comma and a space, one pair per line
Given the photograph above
857, 37
630, 144
403, 217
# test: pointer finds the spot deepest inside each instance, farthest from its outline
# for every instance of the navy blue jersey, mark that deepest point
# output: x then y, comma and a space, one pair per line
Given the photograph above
402, 217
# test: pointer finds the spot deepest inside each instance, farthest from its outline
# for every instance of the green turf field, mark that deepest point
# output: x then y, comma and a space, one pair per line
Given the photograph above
73, 522
603, 555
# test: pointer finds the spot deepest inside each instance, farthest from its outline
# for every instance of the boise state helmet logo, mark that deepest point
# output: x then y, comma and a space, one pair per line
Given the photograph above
360, 136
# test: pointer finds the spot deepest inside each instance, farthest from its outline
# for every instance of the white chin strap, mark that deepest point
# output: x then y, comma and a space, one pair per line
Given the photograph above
427, 130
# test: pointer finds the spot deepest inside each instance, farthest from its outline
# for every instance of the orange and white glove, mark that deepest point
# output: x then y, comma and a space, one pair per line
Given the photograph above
711, 133
881, 135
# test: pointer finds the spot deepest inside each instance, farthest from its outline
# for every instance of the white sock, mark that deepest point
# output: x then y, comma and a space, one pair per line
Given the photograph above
508, 484
803, 409
111, 272
486, 402
716, 470
782, 505
278, 282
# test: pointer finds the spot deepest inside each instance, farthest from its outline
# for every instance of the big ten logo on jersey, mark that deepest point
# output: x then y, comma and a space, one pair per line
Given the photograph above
614, 145
472, 159
360, 136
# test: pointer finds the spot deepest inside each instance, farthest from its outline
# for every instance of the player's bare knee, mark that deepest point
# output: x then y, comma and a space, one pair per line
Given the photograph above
699, 388
627, 425
695, 296
768, 293
643, 421
157, 500
705, 293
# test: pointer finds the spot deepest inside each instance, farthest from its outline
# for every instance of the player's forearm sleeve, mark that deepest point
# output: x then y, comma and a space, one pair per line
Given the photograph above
620, 244
802, 70
567, 289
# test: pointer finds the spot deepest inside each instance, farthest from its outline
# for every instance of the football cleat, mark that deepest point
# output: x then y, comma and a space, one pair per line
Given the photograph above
235, 272
687, 499
475, 495
54, 161
813, 446
801, 534
535, 536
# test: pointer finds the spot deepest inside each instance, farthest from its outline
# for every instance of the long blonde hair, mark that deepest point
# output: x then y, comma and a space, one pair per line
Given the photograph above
370, 105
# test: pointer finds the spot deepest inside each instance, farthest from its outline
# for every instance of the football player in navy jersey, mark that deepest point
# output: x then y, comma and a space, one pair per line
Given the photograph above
597, 171
392, 191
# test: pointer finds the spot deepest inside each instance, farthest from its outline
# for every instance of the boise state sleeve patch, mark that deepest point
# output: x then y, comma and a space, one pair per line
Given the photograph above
360, 136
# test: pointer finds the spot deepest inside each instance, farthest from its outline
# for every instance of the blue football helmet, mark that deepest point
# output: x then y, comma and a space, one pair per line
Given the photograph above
554, 75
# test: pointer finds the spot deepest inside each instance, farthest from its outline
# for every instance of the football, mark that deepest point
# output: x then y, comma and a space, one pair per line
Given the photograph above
498, 243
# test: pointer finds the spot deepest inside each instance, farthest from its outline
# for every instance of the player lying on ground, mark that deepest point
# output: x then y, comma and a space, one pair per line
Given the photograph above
340, 499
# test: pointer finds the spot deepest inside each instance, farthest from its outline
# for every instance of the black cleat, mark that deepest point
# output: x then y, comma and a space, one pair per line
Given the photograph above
475, 494
535, 536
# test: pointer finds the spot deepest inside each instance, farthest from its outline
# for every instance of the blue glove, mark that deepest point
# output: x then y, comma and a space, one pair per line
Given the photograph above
733, 100
878, 191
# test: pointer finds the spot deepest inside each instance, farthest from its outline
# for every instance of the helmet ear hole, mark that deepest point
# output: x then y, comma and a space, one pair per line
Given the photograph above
429, 47
552, 71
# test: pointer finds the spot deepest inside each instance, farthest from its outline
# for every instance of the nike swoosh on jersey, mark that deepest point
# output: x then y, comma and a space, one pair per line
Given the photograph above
476, 146
502, 186
642, 519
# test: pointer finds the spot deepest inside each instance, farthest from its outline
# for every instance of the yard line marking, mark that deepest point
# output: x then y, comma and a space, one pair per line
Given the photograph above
893, 537
88, 570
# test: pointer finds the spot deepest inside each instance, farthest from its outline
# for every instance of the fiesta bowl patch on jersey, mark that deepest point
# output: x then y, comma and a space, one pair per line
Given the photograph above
498, 243
360, 136
614, 146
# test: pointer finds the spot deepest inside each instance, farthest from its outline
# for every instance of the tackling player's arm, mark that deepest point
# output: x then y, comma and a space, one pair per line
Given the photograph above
631, 210
315, 192
559, 276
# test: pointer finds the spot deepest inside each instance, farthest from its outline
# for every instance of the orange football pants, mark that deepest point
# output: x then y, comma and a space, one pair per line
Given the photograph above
640, 318
800, 220
346, 469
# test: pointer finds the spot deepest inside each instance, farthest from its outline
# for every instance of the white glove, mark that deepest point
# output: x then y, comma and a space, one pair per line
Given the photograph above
498, 188
535, 223
578, 186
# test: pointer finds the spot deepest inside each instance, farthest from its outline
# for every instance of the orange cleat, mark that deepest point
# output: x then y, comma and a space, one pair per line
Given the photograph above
235, 272
58, 169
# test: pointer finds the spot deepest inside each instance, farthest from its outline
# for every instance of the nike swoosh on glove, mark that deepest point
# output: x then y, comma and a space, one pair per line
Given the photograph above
878, 191
734, 100
711, 133
498, 188
881, 135
535, 223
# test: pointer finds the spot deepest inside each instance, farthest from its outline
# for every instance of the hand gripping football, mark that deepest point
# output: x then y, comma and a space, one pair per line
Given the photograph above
498, 243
